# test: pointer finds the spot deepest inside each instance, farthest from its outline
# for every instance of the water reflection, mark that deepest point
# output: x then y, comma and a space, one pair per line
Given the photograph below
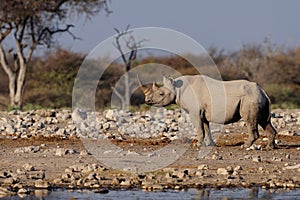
201, 194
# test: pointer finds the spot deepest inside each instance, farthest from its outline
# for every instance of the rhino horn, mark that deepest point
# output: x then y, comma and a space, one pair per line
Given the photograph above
155, 86
143, 88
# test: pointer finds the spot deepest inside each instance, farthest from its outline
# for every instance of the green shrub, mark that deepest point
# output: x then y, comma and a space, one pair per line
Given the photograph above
283, 96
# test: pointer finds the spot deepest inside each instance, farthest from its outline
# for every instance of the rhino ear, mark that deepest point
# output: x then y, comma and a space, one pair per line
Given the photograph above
168, 81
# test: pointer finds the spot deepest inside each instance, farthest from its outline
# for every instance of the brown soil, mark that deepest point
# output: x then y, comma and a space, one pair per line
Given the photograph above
227, 150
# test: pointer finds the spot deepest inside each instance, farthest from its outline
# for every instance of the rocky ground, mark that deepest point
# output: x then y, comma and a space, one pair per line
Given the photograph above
46, 148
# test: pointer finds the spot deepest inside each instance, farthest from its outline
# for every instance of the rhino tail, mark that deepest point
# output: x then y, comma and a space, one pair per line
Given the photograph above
264, 119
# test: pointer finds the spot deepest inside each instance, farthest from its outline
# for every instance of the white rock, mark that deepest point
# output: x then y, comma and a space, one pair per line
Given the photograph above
29, 149
203, 167
41, 184
292, 167
28, 167
222, 171
238, 168
61, 152
257, 158
23, 191
61, 132
111, 115
288, 133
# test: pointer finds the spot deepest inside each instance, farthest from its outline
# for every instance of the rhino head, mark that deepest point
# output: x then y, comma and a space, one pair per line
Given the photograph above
159, 96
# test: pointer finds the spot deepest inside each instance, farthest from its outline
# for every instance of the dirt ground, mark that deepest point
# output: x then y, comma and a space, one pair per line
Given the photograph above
244, 167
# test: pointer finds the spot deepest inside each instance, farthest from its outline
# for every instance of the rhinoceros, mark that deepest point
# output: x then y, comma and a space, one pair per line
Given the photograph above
208, 100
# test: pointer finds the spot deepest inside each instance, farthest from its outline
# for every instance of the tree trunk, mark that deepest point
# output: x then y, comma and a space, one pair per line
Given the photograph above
16, 87
16, 82
127, 92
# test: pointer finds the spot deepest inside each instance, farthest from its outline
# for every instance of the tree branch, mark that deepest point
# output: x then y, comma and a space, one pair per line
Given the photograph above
118, 94
47, 30
5, 34
19, 49
3, 60
131, 44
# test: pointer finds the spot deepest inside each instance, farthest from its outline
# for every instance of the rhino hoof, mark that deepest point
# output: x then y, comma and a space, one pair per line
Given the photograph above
271, 146
210, 143
245, 146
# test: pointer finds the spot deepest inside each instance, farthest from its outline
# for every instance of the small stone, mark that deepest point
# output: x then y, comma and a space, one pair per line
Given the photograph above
65, 177
9, 181
222, 171
180, 174
106, 126
4, 174
41, 184
277, 159
115, 181
230, 177
168, 175
23, 191
36, 174
262, 169
288, 133
216, 157
177, 187
126, 183
111, 115
77, 168
229, 169
28, 167
257, 158
237, 168
61, 132
200, 173
61, 152
69, 170
297, 166
84, 153
20, 171
158, 187
71, 151
203, 167
5, 192
278, 141
254, 147
29, 149
57, 181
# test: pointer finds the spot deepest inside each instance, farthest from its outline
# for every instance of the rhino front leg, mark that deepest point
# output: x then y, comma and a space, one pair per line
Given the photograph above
199, 125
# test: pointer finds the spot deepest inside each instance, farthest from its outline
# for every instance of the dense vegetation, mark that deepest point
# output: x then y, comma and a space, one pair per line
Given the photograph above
50, 78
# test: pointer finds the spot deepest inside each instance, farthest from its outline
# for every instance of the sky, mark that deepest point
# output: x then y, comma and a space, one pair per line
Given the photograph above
223, 24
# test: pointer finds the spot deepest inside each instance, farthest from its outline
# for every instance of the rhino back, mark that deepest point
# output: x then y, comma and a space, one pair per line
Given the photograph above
221, 101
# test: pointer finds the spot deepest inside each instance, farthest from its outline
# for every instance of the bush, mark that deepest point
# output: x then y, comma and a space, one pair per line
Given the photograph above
283, 96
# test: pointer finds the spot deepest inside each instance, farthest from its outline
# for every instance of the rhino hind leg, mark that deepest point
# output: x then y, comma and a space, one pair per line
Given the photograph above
253, 134
208, 141
271, 133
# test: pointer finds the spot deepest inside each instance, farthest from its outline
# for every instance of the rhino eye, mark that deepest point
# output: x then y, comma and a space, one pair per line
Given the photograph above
161, 93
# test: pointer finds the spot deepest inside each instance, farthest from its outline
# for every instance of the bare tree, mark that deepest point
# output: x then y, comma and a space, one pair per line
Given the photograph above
27, 24
132, 45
